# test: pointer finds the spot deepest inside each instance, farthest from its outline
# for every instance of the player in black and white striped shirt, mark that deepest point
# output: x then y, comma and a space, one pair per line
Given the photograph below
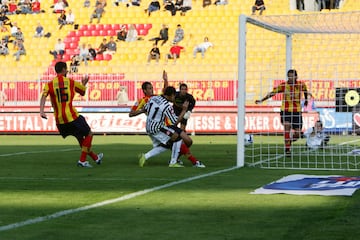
159, 112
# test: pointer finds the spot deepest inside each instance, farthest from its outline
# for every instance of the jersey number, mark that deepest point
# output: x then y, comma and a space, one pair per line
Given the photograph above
62, 94
155, 112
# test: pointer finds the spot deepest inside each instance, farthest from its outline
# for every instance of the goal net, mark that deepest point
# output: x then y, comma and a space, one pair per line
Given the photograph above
324, 49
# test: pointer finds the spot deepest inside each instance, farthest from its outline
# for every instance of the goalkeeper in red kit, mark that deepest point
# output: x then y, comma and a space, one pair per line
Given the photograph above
290, 114
69, 122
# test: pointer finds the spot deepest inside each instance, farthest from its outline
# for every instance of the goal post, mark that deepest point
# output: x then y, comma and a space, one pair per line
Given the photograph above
323, 48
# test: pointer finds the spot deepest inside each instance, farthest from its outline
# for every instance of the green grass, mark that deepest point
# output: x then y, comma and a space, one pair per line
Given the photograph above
43, 179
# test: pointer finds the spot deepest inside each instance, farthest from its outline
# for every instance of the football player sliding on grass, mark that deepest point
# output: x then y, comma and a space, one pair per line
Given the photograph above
139, 108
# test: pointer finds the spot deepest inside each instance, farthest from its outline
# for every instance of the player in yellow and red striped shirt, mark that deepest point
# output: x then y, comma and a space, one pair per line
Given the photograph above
62, 91
290, 113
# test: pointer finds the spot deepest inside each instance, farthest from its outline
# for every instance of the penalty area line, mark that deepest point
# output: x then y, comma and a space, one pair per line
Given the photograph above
44, 151
110, 201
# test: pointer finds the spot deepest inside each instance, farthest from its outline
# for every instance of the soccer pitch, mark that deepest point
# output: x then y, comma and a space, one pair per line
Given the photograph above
45, 196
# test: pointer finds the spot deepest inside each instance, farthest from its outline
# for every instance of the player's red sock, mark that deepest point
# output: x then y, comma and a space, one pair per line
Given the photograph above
184, 149
93, 155
287, 141
85, 148
192, 159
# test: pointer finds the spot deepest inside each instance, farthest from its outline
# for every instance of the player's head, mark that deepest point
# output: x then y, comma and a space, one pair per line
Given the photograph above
169, 93
318, 125
183, 89
147, 88
292, 75
61, 68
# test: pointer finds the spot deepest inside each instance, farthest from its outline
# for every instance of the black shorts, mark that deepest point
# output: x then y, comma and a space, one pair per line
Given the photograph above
294, 118
77, 128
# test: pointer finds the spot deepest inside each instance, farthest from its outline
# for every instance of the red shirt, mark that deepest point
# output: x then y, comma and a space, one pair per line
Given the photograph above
36, 7
176, 50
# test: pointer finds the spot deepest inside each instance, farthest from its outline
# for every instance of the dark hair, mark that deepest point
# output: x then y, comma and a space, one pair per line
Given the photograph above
144, 85
59, 66
183, 85
292, 71
168, 91
318, 121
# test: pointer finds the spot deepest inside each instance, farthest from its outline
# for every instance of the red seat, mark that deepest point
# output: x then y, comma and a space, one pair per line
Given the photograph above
147, 26
139, 26
143, 32
71, 34
107, 27
91, 27
86, 33
83, 27
107, 57
99, 26
99, 57
103, 32
95, 32
74, 45
115, 26
111, 32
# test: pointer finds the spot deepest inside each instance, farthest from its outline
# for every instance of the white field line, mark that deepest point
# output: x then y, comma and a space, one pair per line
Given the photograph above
46, 151
283, 155
110, 201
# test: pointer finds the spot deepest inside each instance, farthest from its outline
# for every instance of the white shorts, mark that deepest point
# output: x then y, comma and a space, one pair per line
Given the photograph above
162, 137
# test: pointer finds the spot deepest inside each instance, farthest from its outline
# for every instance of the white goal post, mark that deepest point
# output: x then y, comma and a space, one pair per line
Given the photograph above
324, 49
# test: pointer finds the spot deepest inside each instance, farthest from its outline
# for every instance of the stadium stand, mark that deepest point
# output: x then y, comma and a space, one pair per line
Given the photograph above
219, 23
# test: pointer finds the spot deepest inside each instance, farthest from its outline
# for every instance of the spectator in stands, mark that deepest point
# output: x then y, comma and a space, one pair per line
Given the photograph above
322, 4
87, 3
20, 50
3, 97
59, 6
221, 2
92, 52
98, 12
111, 47
163, 35
14, 29
174, 53
121, 34
74, 64
62, 19
36, 6
179, 34
134, 3
102, 47
132, 34
5, 20
39, 30
12, 8
18, 36
300, 5
169, 5
154, 54
59, 49
202, 47
206, 3
70, 17
186, 6
102, 2
25, 7
337, 4
84, 54
259, 5
4, 49
153, 6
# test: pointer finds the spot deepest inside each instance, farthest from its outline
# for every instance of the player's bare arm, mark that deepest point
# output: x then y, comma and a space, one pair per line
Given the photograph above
269, 95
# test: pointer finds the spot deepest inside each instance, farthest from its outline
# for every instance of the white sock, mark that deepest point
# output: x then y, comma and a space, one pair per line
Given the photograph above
155, 151
175, 151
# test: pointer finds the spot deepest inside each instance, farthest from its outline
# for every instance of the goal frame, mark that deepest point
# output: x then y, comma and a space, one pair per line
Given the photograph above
312, 26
